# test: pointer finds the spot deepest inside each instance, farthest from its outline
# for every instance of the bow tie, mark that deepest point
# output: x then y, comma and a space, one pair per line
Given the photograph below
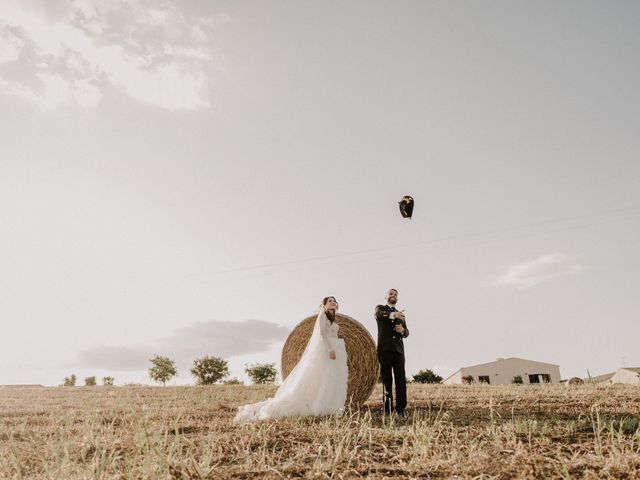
393, 309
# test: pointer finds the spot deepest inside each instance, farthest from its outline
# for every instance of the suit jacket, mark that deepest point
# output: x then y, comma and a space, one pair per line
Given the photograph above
388, 339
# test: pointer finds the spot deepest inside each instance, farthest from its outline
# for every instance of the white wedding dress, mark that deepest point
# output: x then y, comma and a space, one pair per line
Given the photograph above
316, 386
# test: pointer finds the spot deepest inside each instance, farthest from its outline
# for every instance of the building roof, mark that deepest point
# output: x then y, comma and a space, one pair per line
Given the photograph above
606, 376
508, 359
450, 376
634, 369
599, 378
496, 361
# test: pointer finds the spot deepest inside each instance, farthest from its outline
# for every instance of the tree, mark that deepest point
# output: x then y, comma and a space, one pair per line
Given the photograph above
232, 381
426, 376
70, 381
90, 382
261, 373
163, 369
209, 370
517, 380
108, 381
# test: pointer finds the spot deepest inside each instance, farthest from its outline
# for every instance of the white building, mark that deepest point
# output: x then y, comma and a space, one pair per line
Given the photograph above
630, 376
504, 370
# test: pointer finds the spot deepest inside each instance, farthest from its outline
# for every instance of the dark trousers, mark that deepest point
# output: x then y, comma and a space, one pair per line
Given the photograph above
392, 366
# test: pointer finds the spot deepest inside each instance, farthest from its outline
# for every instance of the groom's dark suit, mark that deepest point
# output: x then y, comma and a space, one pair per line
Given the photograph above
391, 358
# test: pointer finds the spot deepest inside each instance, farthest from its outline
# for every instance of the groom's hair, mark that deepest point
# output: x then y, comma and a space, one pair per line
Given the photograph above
393, 289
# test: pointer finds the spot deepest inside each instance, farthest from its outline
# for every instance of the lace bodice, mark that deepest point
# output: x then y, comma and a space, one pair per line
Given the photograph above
327, 330
332, 329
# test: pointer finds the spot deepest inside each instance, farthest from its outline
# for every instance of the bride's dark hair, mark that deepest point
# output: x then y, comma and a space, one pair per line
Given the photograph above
330, 315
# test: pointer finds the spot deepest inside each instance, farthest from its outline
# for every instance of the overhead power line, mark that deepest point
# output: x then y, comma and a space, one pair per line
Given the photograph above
635, 209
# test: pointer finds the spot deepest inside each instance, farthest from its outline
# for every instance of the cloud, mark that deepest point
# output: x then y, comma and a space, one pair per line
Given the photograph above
116, 358
220, 338
152, 51
10, 46
539, 270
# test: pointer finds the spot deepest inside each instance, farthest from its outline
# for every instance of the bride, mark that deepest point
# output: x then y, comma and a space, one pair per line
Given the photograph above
318, 383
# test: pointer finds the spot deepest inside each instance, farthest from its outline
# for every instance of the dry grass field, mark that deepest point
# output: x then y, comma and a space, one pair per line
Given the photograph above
450, 432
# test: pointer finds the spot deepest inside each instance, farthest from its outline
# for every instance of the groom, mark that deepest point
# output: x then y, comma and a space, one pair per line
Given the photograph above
392, 328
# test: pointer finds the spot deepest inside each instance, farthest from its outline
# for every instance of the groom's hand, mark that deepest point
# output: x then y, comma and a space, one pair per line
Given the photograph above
400, 314
332, 355
399, 328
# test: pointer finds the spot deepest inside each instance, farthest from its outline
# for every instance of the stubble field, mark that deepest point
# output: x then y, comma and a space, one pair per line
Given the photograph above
450, 432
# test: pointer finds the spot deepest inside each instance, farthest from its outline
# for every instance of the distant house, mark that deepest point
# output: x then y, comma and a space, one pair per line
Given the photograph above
630, 376
504, 370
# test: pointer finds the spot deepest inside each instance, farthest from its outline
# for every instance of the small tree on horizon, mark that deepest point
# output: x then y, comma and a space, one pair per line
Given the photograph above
108, 381
209, 370
70, 381
162, 370
426, 376
261, 373
232, 381
90, 381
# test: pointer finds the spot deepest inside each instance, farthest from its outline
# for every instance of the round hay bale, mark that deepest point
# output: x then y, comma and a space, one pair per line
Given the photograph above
362, 358
575, 381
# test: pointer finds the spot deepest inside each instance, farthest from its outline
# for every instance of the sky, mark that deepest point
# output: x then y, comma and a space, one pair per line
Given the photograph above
190, 178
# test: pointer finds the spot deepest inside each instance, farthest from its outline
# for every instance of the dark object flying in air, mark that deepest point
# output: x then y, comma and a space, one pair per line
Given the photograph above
406, 206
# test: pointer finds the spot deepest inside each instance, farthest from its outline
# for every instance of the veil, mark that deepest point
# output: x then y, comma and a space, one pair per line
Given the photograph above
313, 356
310, 387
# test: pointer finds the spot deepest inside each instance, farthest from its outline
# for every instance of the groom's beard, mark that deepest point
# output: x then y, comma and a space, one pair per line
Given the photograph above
331, 315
